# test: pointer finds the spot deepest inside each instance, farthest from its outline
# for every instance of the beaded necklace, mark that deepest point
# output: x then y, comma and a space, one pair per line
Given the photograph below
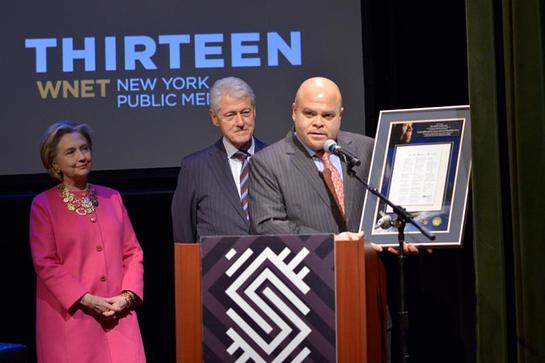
83, 205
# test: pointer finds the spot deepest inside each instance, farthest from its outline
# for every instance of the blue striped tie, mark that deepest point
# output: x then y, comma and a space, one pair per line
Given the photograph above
244, 180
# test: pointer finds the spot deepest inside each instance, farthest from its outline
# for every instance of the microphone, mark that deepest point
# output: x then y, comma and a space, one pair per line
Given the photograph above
332, 147
384, 222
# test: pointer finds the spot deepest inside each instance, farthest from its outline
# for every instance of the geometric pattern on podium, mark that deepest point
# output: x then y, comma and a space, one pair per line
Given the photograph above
268, 299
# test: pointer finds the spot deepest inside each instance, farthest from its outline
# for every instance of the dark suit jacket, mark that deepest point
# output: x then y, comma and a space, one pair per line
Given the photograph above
206, 201
289, 196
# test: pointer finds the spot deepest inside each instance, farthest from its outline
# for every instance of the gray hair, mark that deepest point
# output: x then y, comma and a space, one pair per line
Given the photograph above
232, 86
51, 139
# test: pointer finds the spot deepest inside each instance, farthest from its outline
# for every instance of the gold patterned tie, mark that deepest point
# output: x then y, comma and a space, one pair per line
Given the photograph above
333, 180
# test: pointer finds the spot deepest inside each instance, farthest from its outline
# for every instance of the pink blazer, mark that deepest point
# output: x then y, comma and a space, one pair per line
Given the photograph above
72, 255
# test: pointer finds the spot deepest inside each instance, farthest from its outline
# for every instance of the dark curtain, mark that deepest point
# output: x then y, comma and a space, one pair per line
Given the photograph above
507, 97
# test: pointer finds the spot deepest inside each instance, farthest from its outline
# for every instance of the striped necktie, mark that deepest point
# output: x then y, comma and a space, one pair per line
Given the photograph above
244, 180
333, 180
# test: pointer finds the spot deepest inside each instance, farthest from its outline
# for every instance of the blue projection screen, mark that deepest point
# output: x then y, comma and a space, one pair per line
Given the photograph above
139, 72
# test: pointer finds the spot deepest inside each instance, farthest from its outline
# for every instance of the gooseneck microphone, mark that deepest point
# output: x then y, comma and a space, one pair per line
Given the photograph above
332, 147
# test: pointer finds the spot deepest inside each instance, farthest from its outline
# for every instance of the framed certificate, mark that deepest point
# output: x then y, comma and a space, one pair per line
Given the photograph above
422, 162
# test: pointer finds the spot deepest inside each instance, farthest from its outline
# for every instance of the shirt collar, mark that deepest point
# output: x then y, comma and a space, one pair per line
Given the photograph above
231, 150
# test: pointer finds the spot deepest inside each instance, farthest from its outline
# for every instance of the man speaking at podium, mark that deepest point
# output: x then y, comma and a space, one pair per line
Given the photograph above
211, 196
296, 187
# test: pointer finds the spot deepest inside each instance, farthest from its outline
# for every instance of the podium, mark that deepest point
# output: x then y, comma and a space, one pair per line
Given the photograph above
360, 303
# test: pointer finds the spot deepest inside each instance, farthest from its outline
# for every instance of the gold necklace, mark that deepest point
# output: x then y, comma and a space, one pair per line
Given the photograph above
83, 205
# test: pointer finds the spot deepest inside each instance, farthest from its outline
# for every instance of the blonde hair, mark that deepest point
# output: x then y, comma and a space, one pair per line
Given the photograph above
51, 139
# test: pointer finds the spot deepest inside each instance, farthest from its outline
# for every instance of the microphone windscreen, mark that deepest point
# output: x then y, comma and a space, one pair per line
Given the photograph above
329, 146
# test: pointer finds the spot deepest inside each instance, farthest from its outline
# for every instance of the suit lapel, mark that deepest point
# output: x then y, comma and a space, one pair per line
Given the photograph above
350, 184
302, 162
259, 144
222, 172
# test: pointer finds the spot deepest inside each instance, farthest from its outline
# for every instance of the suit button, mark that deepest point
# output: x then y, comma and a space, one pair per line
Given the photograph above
99, 248
93, 219
103, 278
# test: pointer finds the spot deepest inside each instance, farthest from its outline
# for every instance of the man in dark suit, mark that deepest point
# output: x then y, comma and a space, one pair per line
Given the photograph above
289, 191
297, 189
211, 196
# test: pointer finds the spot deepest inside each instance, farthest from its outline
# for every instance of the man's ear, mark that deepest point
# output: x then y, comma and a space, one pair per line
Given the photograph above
293, 110
214, 118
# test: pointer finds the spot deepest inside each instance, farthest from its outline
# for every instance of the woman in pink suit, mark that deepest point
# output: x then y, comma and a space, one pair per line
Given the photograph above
88, 262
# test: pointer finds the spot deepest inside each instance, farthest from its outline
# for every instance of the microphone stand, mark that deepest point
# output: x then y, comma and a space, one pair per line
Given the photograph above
402, 218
